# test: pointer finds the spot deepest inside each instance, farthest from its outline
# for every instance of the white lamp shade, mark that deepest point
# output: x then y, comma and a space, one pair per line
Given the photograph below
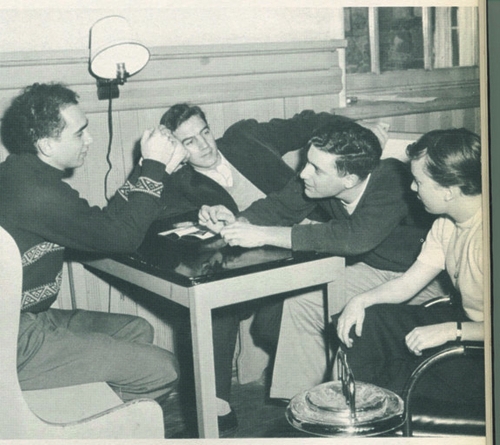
112, 42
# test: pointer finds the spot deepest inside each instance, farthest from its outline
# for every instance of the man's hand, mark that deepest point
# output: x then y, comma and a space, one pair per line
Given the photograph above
425, 337
159, 144
215, 217
178, 159
380, 129
244, 234
353, 314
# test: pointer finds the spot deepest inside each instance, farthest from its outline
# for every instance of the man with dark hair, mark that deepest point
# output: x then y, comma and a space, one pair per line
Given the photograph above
47, 135
34, 116
386, 340
373, 221
177, 114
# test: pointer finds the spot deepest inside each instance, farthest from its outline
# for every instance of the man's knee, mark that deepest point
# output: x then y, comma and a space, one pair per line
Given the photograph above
153, 372
142, 330
162, 368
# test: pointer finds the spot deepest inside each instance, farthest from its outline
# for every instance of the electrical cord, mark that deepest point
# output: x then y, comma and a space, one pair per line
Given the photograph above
110, 166
110, 141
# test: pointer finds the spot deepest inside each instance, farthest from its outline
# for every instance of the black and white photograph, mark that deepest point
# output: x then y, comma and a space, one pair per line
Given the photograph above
245, 220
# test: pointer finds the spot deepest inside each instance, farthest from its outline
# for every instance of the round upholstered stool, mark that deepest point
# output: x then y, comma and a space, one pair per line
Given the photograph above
346, 408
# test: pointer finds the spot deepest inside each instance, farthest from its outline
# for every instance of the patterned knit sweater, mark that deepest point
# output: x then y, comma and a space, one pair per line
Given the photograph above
44, 215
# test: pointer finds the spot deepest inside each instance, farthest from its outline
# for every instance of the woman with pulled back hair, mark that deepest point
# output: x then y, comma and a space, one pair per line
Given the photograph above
385, 341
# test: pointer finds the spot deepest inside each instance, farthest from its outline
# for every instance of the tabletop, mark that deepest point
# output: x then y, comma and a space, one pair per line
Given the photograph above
188, 260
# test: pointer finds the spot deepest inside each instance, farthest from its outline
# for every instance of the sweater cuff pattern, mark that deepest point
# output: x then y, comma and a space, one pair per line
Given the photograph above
147, 185
32, 297
124, 190
144, 185
36, 252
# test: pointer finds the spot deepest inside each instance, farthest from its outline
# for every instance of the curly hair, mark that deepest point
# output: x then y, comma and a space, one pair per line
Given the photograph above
357, 147
177, 114
35, 114
452, 157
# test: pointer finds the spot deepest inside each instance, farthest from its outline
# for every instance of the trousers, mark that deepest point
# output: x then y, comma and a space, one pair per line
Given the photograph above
380, 356
301, 358
59, 348
225, 328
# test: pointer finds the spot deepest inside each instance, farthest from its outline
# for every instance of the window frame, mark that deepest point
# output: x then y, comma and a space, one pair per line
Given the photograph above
458, 84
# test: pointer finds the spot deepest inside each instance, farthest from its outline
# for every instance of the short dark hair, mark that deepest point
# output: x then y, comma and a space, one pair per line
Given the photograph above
357, 147
177, 114
35, 114
453, 157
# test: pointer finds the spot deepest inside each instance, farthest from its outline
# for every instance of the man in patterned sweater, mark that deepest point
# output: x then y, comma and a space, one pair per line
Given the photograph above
46, 133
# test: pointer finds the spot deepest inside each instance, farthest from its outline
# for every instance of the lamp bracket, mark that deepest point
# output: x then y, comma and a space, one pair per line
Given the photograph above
108, 88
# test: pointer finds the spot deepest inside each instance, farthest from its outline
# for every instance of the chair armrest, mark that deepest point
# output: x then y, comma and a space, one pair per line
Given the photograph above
135, 419
437, 300
448, 351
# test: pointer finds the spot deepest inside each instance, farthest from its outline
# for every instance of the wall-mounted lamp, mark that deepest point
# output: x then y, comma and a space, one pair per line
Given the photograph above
115, 54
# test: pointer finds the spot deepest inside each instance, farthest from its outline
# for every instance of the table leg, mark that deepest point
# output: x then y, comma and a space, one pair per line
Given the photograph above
203, 361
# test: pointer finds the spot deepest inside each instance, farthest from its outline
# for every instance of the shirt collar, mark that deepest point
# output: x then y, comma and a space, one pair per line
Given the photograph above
221, 173
352, 205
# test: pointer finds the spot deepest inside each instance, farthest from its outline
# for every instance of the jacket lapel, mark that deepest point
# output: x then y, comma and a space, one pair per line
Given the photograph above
201, 190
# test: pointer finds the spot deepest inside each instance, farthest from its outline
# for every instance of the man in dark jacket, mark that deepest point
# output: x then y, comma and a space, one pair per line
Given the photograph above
47, 134
374, 222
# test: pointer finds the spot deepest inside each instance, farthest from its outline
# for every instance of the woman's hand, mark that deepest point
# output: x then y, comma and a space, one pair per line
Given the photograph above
380, 129
425, 337
352, 315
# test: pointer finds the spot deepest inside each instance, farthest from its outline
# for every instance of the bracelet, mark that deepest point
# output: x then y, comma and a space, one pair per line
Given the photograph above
459, 331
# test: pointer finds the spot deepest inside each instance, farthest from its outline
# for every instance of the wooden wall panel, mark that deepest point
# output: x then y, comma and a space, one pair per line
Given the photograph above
317, 103
423, 100
221, 116
205, 73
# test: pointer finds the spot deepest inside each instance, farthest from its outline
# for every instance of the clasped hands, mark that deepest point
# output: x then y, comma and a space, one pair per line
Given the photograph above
159, 144
235, 232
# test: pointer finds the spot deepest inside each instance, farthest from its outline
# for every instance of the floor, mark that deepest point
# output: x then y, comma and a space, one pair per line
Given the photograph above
258, 416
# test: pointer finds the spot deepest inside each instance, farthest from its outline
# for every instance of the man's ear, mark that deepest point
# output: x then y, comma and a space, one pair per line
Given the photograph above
351, 180
452, 193
43, 146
